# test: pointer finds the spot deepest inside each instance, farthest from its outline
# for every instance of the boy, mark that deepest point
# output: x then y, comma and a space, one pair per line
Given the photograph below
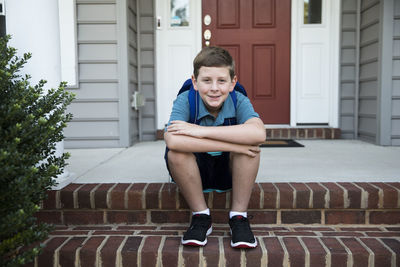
188, 156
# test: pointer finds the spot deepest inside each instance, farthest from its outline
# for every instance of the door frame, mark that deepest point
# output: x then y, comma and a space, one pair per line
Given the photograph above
334, 23
165, 92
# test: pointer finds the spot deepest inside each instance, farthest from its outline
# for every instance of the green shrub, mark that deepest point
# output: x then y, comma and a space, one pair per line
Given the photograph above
31, 123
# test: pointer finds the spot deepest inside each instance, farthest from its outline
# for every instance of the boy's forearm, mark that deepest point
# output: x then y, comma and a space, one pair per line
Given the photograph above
252, 132
185, 143
248, 133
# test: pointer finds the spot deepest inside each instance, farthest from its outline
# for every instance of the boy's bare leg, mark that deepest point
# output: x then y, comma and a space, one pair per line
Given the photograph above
186, 174
244, 173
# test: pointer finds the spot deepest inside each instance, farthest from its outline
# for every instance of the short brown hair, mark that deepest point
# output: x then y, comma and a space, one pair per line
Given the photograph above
213, 56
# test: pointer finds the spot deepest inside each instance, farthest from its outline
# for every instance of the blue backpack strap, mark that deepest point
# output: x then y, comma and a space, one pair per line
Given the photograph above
232, 121
193, 99
240, 88
193, 105
234, 98
186, 86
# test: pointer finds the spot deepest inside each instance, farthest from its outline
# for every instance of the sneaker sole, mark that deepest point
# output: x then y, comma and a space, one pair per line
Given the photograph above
197, 243
244, 244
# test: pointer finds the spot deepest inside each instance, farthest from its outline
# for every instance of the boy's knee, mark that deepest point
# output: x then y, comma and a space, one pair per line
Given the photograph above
176, 157
244, 162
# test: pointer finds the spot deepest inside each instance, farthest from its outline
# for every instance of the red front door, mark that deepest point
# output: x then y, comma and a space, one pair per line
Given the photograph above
257, 34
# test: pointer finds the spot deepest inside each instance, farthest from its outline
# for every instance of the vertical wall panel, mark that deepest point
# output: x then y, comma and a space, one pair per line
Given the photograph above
348, 59
369, 61
395, 131
146, 66
133, 66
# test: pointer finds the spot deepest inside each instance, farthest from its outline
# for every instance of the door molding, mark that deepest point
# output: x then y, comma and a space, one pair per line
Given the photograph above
333, 22
176, 48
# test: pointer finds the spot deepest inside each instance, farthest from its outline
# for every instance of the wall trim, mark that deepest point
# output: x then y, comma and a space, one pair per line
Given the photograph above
123, 79
68, 42
385, 72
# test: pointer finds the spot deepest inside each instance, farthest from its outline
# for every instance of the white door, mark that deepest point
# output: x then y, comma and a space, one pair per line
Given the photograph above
178, 40
315, 55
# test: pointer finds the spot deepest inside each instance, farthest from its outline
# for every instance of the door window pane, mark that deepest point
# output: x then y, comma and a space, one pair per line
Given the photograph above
312, 11
179, 13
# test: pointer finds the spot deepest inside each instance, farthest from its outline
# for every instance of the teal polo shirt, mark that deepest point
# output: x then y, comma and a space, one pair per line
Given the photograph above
244, 110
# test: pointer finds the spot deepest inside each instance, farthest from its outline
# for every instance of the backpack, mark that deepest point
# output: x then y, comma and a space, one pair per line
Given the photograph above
194, 99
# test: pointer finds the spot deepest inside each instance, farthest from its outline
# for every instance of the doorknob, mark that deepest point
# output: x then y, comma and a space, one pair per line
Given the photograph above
207, 36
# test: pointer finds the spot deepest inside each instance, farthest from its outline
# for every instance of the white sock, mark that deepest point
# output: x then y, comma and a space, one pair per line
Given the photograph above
206, 211
234, 213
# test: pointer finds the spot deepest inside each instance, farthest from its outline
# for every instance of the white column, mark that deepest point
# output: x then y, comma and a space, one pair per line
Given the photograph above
34, 26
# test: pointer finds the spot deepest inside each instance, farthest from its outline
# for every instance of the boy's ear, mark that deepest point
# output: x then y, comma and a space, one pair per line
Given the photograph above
233, 83
194, 82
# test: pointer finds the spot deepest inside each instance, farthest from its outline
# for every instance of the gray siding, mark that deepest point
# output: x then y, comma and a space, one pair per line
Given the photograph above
133, 65
147, 69
395, 133
348, 62
370, 71
96, 108
115, 43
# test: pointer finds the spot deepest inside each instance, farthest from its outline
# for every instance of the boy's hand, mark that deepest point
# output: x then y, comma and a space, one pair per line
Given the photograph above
185, 128
251, 151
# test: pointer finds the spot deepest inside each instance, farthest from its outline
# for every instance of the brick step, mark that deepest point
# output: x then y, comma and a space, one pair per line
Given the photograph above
293, 133
271, 203
282, 245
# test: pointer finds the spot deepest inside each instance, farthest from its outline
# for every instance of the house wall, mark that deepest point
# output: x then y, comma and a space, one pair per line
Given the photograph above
115, 44
96, 108
370, 71
395, 123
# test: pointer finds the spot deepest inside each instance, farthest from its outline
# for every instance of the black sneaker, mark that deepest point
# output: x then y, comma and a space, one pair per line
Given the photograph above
198, 231
242, 236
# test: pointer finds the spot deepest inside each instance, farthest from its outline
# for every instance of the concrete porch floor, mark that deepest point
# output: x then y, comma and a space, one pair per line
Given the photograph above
317, 161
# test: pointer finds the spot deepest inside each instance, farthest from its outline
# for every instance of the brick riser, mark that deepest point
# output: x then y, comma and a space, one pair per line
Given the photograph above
351, 224
292, 133
270, 203
278, 246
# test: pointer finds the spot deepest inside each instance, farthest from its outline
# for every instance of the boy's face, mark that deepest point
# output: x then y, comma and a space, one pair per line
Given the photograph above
214, 85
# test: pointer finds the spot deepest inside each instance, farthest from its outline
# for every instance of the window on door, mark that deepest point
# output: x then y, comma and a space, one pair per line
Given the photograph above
179, 13
312, 11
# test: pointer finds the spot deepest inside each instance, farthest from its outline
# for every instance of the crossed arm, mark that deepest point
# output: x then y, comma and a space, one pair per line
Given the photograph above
244, 138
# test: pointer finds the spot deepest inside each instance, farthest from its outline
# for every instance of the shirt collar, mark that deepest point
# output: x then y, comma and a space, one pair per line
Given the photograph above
227, 111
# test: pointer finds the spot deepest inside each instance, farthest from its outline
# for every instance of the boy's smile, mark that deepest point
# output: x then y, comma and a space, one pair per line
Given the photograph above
214, 85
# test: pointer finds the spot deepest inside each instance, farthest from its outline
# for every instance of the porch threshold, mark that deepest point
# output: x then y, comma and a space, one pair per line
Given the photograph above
317, 161
283, 131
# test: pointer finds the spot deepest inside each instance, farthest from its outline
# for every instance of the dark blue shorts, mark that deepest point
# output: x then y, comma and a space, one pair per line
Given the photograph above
214, 170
